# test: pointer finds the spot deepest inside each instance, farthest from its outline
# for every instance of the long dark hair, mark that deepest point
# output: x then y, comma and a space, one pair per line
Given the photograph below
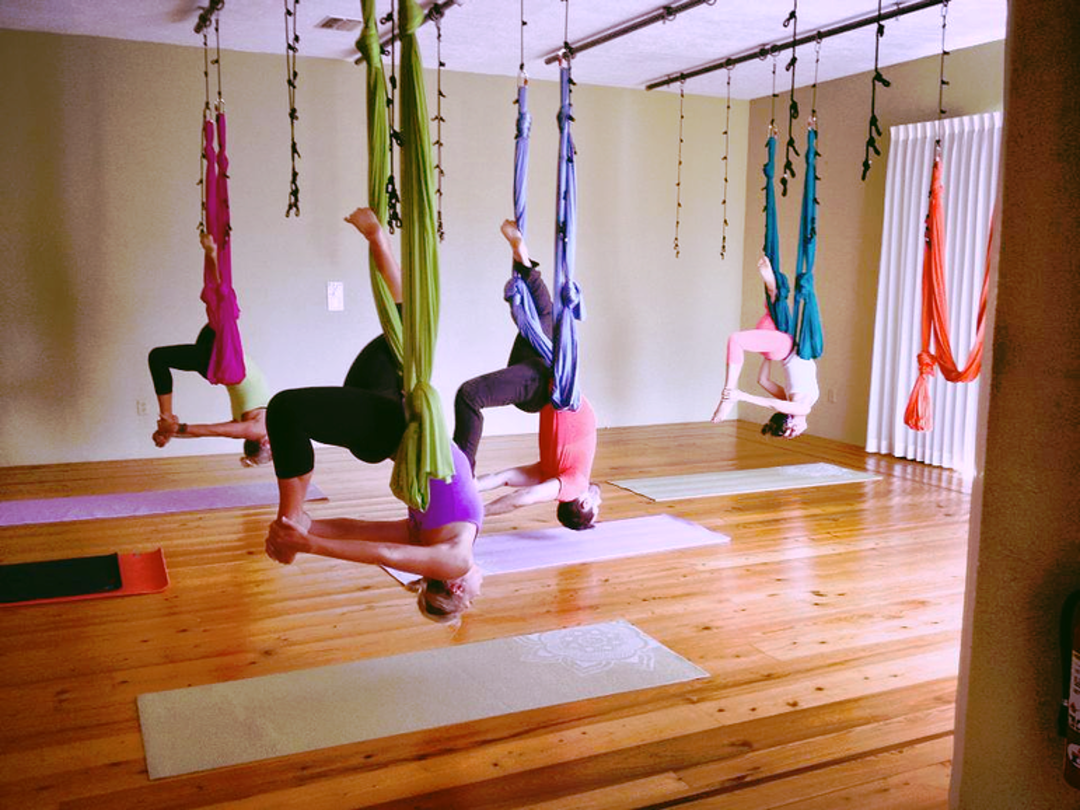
776, 425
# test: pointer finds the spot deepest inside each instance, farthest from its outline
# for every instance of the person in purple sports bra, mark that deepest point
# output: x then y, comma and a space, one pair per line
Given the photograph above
436, 543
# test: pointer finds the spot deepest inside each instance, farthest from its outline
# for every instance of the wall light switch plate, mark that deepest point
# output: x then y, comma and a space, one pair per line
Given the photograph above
335, 296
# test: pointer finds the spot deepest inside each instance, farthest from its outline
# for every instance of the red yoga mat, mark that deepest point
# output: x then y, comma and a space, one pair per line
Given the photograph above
80, 578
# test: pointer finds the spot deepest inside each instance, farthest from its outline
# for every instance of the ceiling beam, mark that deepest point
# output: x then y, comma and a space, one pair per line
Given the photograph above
665, 14
766, 51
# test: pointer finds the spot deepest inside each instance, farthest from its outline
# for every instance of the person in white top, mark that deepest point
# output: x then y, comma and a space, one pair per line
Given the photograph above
793, 401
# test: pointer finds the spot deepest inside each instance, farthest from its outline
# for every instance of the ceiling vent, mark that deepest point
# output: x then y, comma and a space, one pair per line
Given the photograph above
340, 24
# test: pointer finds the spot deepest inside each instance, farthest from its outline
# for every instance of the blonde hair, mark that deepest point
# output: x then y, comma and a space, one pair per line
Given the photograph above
445, 600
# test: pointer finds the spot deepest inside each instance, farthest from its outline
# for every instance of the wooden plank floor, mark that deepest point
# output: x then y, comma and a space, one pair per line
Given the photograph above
830, 627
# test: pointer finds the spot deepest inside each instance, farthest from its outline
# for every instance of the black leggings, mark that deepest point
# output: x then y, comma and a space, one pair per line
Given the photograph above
183, 357
366, 415
524, 383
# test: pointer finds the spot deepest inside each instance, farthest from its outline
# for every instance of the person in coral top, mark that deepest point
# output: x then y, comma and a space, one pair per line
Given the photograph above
567, 442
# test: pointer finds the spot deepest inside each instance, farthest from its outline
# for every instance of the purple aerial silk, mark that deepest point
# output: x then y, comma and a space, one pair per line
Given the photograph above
569, 307
222, 309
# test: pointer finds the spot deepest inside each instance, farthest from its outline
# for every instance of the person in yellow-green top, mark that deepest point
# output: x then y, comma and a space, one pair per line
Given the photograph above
248, 398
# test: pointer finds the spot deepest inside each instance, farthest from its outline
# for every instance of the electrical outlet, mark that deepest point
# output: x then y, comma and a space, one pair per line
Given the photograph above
140, 407
335, 296
831, 396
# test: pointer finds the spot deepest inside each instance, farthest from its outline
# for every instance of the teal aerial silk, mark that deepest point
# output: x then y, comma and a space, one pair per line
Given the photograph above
803, 320
778, 309
424, 452
810, 342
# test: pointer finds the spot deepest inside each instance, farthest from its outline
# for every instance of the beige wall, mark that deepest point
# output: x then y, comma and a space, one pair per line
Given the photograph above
851, 211
1023, 559
101, 262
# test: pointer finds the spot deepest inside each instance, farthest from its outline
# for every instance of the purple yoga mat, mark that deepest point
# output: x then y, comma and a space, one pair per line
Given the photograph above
132, 504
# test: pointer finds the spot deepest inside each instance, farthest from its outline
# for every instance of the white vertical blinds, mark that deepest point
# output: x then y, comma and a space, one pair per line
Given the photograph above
971, 148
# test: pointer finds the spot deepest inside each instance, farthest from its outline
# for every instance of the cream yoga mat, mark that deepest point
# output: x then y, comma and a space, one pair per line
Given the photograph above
740, 482
607, 540
204, 727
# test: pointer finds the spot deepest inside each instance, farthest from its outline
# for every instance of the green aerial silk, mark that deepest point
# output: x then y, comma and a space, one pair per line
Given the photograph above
378, 130
424, 452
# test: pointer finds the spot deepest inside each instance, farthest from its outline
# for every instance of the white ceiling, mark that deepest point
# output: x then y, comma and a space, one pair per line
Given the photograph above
484, 36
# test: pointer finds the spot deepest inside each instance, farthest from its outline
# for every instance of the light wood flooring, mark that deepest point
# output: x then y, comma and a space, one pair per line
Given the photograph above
830, 627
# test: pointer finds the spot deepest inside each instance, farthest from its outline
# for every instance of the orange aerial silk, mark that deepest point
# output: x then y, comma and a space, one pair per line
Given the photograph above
935, 314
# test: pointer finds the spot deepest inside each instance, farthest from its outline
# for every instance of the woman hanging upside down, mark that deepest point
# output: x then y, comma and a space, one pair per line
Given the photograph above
367, 416
248, 398
567, 438
791, 402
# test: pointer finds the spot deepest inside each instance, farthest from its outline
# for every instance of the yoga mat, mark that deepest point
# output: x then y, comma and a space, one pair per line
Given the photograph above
211, 726
739, 482
607, 540
132, 504
79, 578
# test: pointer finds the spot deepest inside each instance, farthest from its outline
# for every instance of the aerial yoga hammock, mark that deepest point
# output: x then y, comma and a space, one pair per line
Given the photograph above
935, 309
560, 352
222, 310
936, 349
567, 429
445, 512
803, 320
791, 337
424, 452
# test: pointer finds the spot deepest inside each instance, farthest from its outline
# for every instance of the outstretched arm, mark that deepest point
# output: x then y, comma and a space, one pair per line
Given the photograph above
530, 487
787, 406
365, 221
172, 428
524, 476
210, 249
444, 553
765, 381
526, 496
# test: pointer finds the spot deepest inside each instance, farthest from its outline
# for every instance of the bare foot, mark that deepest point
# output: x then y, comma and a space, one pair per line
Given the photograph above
365, 221
764, 267
208, 245
510, 232
726, 406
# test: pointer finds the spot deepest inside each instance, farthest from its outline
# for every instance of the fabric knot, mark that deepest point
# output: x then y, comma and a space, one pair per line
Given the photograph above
804, 284
927, 364
513, 292
572, 300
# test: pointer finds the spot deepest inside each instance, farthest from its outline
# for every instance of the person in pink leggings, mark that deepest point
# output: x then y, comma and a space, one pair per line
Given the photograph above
791, 401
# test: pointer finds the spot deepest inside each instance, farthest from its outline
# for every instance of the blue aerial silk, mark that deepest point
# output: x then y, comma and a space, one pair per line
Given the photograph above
521, 156
810, 342
561, 354
516, 292
568, 306
778, 309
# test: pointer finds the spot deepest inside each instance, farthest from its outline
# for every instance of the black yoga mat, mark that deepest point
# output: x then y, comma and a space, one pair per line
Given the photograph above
59, 579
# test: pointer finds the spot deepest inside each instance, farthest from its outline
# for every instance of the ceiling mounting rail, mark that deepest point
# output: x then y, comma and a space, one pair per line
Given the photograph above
768, 50
664, 14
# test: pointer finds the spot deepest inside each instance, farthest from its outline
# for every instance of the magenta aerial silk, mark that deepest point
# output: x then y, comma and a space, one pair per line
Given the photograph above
222, 309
